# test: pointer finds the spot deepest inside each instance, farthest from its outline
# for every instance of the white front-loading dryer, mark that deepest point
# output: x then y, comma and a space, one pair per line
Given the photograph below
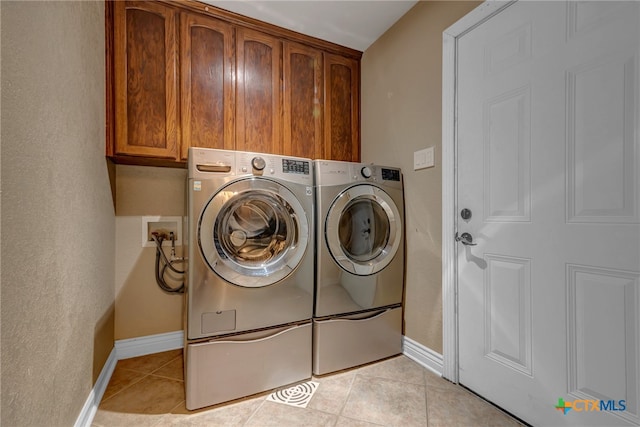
360, 264
250, 278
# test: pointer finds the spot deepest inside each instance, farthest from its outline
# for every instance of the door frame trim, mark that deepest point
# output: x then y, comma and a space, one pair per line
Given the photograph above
450, 38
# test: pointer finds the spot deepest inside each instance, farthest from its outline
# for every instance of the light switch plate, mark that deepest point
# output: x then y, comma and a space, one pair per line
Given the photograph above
424, 158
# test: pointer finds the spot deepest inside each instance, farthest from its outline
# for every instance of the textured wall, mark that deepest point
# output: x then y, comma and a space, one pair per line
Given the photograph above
58, 226
402, 113
142, 308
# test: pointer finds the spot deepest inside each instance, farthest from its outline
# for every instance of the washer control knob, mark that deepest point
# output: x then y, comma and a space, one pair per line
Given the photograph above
366, 172
258, 163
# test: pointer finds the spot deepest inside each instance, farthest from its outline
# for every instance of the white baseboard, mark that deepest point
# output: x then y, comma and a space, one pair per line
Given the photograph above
150, 344
93, 401
423, 355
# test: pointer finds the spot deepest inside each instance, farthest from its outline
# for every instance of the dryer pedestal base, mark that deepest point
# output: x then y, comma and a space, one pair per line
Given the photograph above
348, 341
229, 368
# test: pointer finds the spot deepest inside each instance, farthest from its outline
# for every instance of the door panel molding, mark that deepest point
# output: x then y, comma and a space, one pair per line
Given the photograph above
507, 118
508, 342
602, 291
616, 171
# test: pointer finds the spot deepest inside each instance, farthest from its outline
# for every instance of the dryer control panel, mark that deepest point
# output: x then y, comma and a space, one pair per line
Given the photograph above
333, 172
390, 174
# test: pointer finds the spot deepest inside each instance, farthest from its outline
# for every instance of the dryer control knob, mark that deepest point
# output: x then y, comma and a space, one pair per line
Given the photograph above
258, 163
366, 172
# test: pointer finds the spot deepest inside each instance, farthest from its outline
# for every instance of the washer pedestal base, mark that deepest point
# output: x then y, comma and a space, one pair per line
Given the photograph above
348, 341
228, 368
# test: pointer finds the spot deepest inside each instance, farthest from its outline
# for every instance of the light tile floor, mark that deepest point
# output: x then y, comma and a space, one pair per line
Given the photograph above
149, 391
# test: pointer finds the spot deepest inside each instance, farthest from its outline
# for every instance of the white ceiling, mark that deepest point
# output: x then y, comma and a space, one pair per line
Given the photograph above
351, 23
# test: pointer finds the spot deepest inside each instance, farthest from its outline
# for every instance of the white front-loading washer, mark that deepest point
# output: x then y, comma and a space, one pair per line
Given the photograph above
360, 264
250, 277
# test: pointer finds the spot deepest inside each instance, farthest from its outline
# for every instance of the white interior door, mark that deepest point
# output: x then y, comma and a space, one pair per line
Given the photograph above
548, 159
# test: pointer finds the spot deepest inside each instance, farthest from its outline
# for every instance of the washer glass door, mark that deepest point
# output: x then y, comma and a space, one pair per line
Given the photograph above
363, 229
253, 232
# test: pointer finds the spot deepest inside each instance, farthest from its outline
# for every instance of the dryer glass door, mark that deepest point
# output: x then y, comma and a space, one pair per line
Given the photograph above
253, 232
363, 229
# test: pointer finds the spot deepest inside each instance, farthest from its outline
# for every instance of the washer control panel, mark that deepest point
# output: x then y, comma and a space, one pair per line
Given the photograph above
296, 166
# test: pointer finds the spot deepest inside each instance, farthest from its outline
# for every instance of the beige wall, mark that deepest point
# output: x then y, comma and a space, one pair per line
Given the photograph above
58, 222
402, 113
142, 308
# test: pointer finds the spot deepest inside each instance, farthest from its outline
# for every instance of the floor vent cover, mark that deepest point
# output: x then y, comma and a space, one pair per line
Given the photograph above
299, 395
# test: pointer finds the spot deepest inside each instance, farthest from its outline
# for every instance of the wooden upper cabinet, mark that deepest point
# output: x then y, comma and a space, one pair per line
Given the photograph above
341, 108
302, 84
184, 74
258, 116
207, 66
145, 78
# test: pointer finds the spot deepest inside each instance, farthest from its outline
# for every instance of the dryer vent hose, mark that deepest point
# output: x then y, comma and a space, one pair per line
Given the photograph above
168, 271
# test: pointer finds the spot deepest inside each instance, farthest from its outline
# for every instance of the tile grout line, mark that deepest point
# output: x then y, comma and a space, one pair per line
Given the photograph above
166, 364
124, 388
155, 375
169, 415
264, 399
344, 404
166, 378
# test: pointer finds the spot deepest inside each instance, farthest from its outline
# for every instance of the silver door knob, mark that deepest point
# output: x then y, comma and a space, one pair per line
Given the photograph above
465, 239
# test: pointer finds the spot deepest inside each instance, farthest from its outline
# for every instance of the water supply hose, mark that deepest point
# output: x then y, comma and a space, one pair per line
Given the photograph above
161, 258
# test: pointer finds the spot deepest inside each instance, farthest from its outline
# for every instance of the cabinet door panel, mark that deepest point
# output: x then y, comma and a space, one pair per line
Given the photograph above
342, 108
258, 88
207, 61
302, 76
145, 79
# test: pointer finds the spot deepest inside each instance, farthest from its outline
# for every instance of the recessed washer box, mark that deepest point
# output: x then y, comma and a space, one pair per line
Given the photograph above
166, 224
